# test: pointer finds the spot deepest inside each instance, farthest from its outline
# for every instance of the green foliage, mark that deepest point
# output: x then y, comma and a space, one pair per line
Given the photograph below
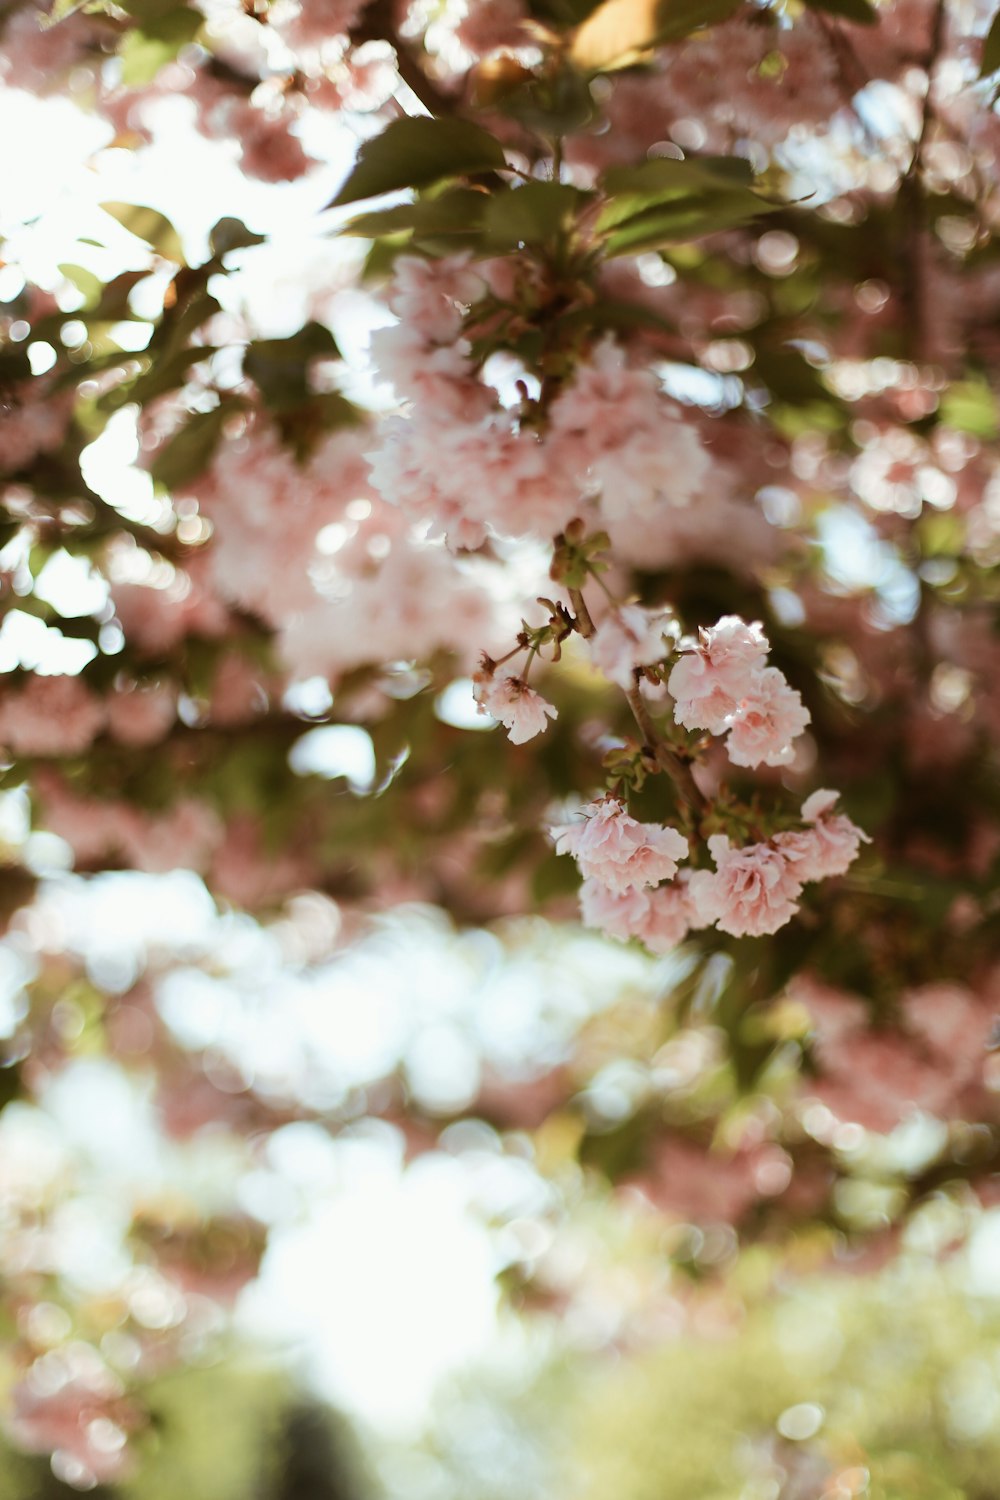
538, 215
895, 1374
280, 367
232, 234
157, 41
150, 225
971, 406
418, 151
664, 201
189, 452
455, 214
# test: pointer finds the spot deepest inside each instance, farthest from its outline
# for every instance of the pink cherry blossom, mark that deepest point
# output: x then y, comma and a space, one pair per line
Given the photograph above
753, 890
630, 637
766, 721
50, 716
658, 917
141, 715
613, 848
33, 420
668, 917
269, 148
314, 21
430, 296
624, 439
828, 847
73, 1407
492, 24
507, 697
709, 681
619, 914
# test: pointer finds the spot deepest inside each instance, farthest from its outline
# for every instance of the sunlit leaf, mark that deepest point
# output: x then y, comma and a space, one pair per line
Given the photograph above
536, 214
147, 49
417, 151
621, 31
150, 225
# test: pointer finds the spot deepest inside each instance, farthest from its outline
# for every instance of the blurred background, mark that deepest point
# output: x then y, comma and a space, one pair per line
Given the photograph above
324, 1204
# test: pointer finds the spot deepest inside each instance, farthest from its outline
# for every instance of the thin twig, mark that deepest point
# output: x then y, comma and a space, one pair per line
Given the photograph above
378, 23
678, 770
911, 194
584, 623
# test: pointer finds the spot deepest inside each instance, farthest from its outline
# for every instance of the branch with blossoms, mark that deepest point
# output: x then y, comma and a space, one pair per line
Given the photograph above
720, 684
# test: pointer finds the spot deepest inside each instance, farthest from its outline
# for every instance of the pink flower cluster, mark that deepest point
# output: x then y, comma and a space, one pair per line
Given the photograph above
312, 22
471, 467
627, 639
753, 890
71, 1405
50, 716
827, 847
623, 863
723, 684
266, 512
33, 420
618, 852
457, 460
623, 441
659, 916
506, 697
875, 1078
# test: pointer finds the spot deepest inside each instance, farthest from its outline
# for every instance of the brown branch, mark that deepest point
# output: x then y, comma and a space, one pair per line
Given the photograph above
678, 770
584, 623
911, 195
377, 23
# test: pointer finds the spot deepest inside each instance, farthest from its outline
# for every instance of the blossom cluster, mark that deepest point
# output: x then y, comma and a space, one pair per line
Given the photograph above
469, 467
722, 684
752, 891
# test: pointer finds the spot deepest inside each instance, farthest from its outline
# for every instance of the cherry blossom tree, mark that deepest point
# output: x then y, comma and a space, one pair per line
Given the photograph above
649, 548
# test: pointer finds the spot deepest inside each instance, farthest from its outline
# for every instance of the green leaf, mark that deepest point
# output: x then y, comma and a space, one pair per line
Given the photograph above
539, 213
303, 425
280, 367
620, 32
158, 377
148, 48
686, 219
417, 151
991, 49
189, 452
666, 201
87, 284
609, 314
193, 307
457, 211
789, 377
859, 11
232, 234
970, 406
150, 225
662, 174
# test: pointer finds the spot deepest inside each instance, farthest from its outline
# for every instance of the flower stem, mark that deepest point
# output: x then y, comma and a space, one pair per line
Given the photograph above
678, 770
584, 623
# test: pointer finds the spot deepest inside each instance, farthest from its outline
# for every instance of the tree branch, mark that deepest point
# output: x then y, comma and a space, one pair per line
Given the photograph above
678, 770
377, 23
